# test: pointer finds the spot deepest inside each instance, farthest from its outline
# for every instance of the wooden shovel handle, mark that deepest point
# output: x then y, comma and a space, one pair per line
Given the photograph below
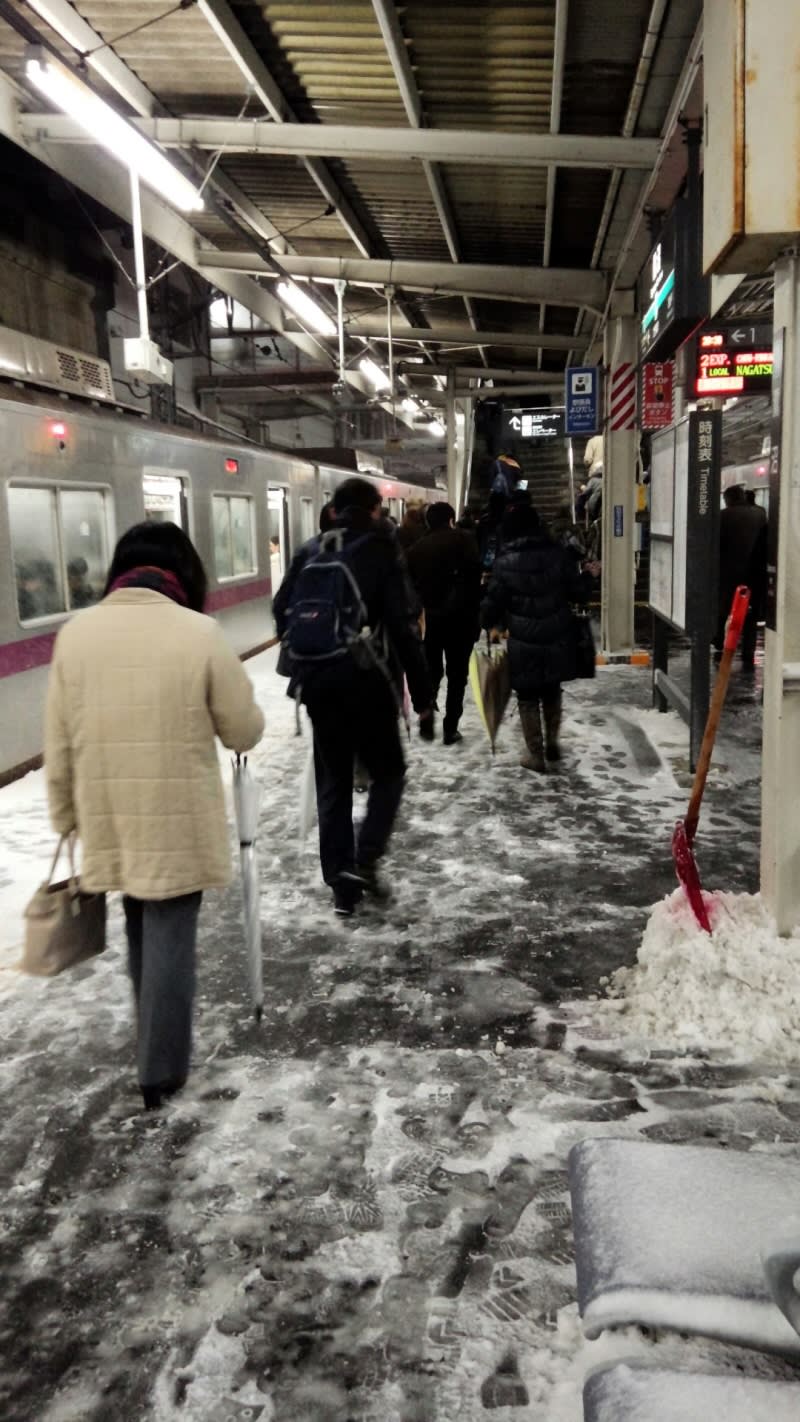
741, 602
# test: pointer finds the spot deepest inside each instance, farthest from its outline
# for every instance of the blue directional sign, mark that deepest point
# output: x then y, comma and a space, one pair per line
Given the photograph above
582, 399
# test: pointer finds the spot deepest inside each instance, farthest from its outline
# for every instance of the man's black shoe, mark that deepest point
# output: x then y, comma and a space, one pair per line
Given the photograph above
426, 729
154, 1096
367, 876
452, 738
348, 892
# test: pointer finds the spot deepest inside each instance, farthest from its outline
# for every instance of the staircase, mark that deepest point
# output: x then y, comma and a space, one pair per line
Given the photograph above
545, 466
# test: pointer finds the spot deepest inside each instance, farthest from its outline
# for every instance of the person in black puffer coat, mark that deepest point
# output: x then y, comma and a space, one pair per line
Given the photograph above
533, 583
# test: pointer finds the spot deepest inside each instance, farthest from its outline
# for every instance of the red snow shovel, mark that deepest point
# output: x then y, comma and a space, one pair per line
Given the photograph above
685, 830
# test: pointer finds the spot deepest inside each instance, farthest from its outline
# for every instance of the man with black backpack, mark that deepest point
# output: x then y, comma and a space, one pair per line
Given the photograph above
446, 572
345, 616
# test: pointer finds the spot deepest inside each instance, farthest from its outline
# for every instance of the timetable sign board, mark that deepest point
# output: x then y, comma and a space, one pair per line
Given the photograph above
734, 361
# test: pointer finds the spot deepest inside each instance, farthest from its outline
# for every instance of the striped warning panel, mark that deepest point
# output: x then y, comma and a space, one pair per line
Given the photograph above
622, 400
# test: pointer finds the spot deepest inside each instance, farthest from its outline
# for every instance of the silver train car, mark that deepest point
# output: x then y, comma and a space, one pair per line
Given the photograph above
74, 478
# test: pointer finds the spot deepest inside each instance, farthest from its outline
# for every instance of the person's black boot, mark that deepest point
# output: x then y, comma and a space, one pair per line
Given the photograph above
153, 1097
451, 735
551, 711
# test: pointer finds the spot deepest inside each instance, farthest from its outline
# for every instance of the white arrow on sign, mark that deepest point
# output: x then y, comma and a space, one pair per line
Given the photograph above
515, 423
744, 338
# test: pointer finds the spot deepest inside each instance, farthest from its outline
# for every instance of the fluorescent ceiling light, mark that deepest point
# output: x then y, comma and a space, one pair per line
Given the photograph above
110, 130
296, 299
374, 374
437, 429
62, 17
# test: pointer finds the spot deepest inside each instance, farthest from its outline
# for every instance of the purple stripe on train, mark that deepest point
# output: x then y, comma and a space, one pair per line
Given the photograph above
243, 592
32, 652
24, 656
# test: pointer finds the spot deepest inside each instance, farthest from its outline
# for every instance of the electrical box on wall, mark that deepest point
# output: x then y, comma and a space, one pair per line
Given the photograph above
144, 361
751, 87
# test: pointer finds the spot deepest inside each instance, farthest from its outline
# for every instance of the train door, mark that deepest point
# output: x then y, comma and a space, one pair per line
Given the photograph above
278, 534
307, 528
165, 499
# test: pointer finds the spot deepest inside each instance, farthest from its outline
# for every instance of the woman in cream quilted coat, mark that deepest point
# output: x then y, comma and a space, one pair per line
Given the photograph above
140, 686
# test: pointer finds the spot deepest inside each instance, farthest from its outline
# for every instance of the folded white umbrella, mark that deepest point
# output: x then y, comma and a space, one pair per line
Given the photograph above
247, 793
307, 810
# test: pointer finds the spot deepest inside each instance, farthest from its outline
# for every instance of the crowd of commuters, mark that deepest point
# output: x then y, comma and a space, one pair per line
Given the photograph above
142, 684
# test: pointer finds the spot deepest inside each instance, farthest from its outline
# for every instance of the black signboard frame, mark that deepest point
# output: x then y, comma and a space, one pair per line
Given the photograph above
552, 414
753, 384
702, 581
681, 244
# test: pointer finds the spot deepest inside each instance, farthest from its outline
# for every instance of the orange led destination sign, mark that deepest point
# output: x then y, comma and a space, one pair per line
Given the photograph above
734, 362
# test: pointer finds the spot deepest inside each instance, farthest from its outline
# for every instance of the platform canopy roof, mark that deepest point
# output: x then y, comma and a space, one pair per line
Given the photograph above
491, 162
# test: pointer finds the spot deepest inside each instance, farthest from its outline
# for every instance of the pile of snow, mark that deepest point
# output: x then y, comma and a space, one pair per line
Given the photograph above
739, 988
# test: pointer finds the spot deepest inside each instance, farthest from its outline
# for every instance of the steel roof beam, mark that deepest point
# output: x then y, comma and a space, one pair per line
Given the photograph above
243, 52
451, 333
350, 142
478, 372
106, 181
563, 286
246, 57
394, 40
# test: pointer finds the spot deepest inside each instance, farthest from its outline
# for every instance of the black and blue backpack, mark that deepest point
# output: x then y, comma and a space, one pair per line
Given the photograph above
326, 617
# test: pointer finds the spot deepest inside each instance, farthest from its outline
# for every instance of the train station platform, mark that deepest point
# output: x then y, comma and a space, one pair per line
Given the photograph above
359, 1208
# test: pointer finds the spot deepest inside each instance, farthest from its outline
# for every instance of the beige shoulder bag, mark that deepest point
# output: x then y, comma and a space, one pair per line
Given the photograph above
63, 925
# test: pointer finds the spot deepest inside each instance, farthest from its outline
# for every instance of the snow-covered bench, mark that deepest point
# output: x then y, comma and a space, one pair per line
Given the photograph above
625, 1392
672, 1237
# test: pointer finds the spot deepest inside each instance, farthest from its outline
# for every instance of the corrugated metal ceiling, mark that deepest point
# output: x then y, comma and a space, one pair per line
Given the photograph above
481, 64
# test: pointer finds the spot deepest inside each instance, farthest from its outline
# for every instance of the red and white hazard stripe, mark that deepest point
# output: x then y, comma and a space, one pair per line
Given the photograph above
622, 400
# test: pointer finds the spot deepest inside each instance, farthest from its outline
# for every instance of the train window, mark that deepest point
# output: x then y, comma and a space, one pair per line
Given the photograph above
234, 542
37, 561
164, 499
307, 529
83, 539
59, 539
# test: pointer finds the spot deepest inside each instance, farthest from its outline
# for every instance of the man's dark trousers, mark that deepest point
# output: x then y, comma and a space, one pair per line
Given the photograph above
360, 718
448, 647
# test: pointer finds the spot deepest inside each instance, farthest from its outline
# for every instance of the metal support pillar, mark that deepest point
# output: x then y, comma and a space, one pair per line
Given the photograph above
339, 287
452, 451
619, 480
138, 255
780, 809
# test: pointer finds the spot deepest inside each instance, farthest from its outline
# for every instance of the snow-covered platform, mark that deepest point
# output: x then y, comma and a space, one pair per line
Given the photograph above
360, 1209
